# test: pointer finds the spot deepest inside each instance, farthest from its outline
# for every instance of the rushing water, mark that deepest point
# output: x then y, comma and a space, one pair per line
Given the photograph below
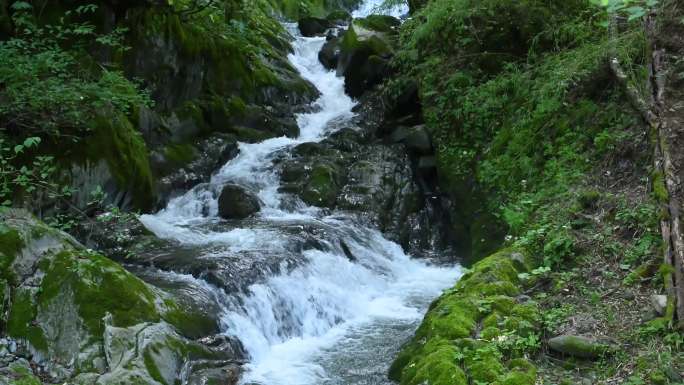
325, 320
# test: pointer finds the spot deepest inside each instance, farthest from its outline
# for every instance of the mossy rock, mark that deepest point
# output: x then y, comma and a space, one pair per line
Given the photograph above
363, 59
379, 23
115, 140
322, 186
578, 346
480, 305
66, 300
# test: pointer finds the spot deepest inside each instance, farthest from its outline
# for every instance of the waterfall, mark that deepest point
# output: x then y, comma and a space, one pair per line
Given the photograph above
304, 322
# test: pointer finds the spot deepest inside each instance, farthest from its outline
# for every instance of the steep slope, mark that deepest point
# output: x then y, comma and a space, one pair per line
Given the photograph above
544, 158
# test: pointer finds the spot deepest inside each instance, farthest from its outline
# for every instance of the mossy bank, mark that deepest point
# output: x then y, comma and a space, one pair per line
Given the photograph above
541, 156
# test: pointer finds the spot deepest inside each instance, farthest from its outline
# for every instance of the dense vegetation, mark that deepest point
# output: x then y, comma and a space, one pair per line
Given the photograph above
542, 153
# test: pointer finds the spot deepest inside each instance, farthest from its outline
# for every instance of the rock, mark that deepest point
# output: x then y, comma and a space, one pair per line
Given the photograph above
226, 375
312, 26
322, 187
309, 149
347, 251
578, 346
416, 139
405, 101
659, 303
364, 59
235, 202
427, 163
75, 312
379, 23
211, 153
330, 53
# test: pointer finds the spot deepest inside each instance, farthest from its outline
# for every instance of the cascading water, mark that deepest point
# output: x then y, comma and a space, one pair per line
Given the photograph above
326, 319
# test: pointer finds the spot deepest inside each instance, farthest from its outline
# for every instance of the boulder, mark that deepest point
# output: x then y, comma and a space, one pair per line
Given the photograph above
416, 139
235, 202
364, 59
313, 26
659, 303
379, 23
330, 53
577, 346
79, 317
322, 187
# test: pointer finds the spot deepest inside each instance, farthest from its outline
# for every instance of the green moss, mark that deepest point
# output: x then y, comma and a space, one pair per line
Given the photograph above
180, 154
378, 23
578, 346
100, 286
519, 378
484, 366
659, 189
20, 323
23, 376
11, 244
436, 366
152, 368
480, 300
374, 44
189, 323
495, 275
322, 186
116, 141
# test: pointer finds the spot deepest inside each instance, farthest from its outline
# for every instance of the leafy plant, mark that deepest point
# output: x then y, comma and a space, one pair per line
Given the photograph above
32, 177
48, 95
632, 9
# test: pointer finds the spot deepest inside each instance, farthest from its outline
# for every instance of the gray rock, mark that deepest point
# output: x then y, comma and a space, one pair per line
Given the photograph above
415, 138
235, 202
659, 303
330, 53
578, 346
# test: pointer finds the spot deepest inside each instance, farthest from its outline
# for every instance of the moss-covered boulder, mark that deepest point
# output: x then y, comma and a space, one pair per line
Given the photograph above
322, 187
471, 333
379, 23
364, 57
578, 346
72, 312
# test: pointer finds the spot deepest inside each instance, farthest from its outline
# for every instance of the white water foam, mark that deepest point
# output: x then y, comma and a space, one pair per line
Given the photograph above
370, 7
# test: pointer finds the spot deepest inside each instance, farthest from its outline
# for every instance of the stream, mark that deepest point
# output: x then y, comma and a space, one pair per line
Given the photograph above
311, 314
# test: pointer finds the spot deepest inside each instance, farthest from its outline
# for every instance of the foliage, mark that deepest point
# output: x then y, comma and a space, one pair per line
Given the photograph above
49, 96
632, 9
29, 177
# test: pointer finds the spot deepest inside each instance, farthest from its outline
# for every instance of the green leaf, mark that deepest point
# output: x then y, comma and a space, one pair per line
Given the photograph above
21, 6
31, 142
635, 12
